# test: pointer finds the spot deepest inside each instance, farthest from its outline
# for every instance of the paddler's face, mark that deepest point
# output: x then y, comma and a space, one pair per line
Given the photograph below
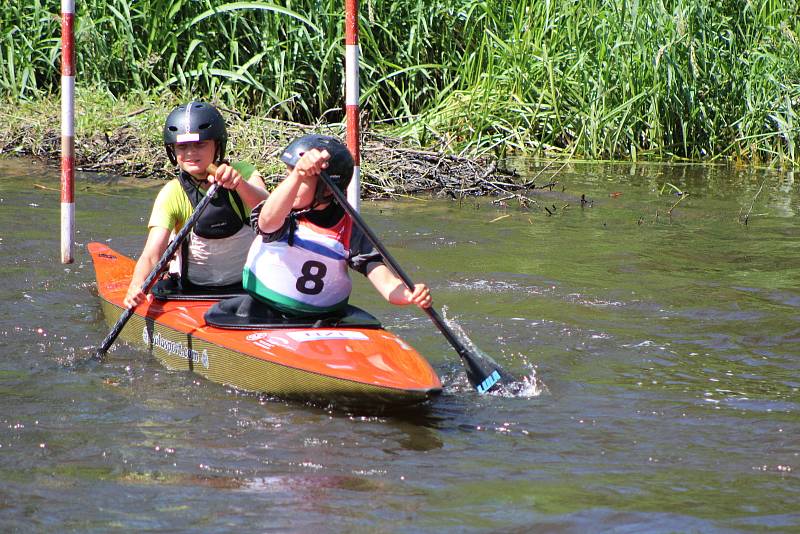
195, 157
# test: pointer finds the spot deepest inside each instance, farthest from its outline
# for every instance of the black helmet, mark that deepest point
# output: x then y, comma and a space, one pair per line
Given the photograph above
340, 165
195, 121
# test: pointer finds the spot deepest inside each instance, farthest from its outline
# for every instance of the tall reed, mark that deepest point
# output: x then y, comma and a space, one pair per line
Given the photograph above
697, 79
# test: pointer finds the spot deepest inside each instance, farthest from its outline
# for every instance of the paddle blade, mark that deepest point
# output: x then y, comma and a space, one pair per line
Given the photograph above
483, 372
115, 331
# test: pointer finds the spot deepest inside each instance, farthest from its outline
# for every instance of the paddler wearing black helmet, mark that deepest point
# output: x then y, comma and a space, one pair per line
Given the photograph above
339, 165
195, 136
195, 122
306, 242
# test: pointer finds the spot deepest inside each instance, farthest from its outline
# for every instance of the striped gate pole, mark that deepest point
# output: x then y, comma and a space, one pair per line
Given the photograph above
67, 130
351, 99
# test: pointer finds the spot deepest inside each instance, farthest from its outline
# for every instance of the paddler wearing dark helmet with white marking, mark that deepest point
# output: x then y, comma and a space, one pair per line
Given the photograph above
299, 262
195, 136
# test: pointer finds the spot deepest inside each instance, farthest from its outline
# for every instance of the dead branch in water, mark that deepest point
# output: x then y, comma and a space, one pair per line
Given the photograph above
393, 169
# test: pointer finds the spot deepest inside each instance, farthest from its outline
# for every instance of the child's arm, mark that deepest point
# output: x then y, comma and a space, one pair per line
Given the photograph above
251, 191
393, 289
285, 197
278, 204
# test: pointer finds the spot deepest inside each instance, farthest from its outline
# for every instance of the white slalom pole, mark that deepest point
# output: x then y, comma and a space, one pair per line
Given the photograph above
351, 99
67, 130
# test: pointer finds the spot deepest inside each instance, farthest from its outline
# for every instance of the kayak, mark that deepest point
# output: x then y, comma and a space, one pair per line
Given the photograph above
347, 358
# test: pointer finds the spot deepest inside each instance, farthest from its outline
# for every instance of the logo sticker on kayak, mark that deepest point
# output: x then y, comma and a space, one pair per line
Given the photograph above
267, 340
258, 336
315, 335
176, 348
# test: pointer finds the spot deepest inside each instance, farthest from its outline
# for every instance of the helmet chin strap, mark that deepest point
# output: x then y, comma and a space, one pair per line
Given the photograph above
320, 197
319, 202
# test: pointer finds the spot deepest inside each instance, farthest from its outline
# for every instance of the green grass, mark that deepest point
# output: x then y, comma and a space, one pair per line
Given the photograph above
600, 79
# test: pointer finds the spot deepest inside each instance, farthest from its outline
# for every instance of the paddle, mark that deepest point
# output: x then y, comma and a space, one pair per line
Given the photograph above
482, 371
161, 265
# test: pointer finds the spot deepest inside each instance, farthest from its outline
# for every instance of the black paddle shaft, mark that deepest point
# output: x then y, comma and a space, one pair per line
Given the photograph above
482, 372
160, 266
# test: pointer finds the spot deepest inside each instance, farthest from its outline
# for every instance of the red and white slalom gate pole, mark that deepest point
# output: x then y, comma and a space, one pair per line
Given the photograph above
67, 130
351, 99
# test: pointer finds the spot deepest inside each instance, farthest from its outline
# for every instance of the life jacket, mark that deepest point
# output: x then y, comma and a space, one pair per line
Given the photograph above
215, 250
305, 272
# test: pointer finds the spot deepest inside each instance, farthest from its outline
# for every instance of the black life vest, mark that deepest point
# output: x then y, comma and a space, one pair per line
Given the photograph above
223, 217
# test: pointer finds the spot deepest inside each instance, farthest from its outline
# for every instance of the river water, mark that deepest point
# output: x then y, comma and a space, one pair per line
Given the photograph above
659, 333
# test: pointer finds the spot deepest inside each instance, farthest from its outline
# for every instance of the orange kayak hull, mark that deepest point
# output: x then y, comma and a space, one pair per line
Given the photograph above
319, 364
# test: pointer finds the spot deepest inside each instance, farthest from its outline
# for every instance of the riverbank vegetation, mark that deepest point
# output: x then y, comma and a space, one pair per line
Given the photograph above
602, 79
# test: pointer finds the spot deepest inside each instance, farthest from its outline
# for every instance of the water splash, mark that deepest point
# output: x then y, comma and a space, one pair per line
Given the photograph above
528, 386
